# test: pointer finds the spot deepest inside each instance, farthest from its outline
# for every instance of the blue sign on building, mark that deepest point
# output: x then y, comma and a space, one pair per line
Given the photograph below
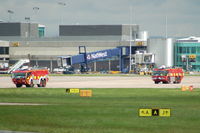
102, 54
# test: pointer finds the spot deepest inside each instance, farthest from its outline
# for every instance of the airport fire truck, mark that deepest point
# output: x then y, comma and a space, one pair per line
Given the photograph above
30, 77
167, 75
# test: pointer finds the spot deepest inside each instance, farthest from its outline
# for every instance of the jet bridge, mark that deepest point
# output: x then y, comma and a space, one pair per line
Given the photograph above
84, 58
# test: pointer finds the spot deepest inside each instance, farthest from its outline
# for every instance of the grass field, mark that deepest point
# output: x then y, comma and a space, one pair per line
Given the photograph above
108, 111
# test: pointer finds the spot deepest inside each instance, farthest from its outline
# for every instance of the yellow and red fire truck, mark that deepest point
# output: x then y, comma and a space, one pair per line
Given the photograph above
29, 78
167, 75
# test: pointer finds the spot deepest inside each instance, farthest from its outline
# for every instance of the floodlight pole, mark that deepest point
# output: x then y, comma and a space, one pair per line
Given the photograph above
130, 37
35, 10
63, 4
28, 20
166, 22
10, 12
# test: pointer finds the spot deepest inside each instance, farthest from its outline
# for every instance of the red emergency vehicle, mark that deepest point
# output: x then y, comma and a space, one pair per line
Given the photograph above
167, 75
29, 78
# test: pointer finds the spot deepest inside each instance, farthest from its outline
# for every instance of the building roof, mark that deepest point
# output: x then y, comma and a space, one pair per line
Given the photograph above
189, 39
64, 38
41, 25
3, 41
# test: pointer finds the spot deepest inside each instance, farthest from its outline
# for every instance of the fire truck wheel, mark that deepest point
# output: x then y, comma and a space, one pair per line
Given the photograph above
40, 85
156, 82
18, 85
178, 80
31, 85
43, 83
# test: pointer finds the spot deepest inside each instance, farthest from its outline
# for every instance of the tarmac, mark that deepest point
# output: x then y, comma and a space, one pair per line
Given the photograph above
106, 82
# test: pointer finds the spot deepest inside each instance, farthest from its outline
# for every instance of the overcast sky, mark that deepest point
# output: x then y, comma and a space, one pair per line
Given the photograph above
183, 15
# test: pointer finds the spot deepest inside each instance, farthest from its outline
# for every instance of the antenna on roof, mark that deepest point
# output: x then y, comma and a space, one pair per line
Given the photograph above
166, 23
166, 34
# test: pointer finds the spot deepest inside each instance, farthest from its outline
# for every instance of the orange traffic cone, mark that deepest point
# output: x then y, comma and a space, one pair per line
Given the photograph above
191, 88
183, 88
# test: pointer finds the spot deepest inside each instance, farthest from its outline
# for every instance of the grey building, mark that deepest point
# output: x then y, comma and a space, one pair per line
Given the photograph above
44, 51
14, 29
122, 30
4, 54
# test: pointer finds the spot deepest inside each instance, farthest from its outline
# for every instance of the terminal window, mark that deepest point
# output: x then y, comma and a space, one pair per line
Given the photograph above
4, 50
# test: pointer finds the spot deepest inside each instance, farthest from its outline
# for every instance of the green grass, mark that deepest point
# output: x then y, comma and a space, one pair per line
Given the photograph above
108, 111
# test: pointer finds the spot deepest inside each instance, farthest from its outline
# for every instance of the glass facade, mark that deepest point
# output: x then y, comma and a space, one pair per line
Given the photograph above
4, 50
187, 49
41, 31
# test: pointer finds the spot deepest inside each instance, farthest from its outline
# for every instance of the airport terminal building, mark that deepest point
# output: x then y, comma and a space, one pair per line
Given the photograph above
27, 40
43, 51
187, 53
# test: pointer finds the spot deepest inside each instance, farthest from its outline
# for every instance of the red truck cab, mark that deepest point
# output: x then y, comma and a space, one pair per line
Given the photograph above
29, 78
167, 75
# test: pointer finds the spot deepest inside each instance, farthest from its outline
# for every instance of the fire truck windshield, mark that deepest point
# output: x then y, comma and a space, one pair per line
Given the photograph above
18, 75
160, 73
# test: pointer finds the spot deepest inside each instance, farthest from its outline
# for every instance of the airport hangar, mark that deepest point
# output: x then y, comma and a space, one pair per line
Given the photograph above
27, 40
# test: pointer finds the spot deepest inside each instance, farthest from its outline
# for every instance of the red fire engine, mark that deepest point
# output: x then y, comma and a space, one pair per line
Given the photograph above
167, 75
31, 77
